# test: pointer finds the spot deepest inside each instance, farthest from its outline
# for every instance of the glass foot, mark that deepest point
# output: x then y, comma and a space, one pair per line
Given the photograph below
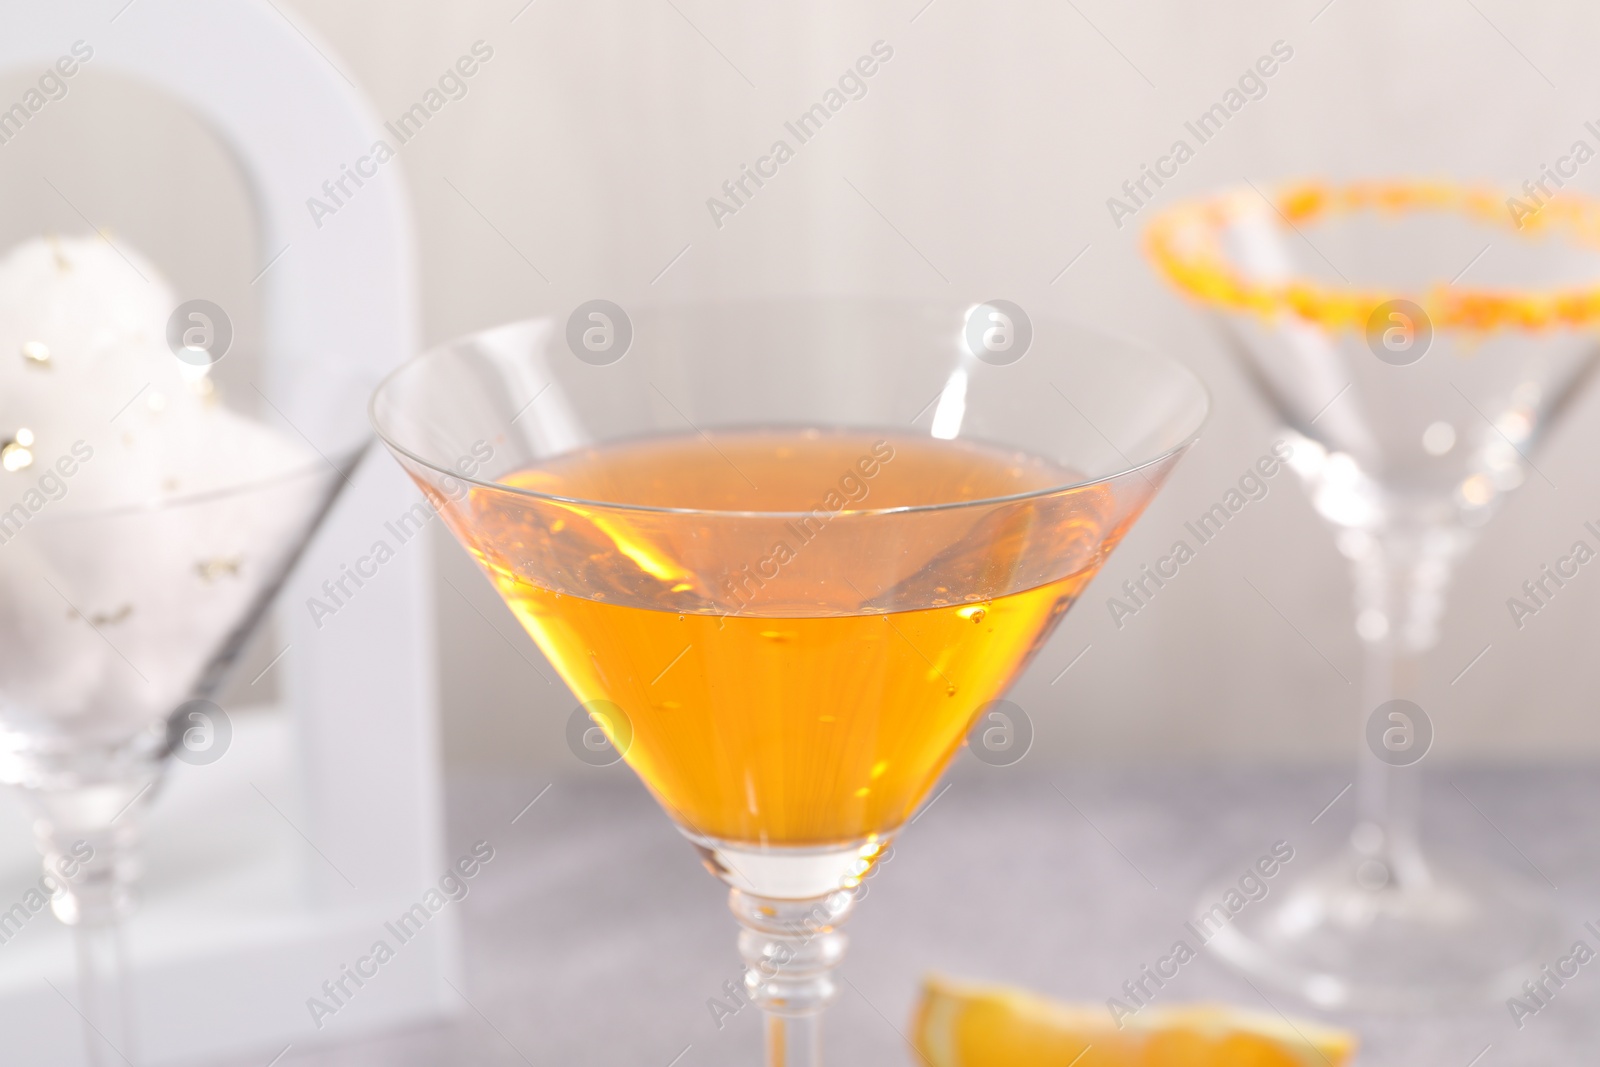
789, 873
1390, 931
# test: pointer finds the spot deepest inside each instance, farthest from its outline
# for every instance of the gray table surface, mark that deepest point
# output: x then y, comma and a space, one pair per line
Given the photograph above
596, 937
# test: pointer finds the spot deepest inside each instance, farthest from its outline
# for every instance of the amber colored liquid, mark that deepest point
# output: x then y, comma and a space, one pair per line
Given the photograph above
752, 719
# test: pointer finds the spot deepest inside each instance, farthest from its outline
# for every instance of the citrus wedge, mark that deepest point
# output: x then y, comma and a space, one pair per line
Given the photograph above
959, 1025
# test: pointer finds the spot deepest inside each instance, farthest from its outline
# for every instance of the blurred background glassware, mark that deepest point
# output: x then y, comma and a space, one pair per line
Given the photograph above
1418, 340
260, 106
643, 478
113, 652
117, 623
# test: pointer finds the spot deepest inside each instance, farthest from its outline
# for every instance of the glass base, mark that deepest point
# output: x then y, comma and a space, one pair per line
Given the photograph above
786, 872
1396, 932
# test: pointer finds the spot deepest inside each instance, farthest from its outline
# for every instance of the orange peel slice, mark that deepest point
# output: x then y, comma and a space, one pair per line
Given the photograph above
959, 1025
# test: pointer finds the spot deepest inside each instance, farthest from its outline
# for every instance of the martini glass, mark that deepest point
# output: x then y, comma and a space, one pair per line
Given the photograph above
785, 553
116, 625
1417, 340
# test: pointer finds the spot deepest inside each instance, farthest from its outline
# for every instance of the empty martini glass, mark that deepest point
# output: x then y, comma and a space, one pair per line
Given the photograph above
1417, 339
785, 552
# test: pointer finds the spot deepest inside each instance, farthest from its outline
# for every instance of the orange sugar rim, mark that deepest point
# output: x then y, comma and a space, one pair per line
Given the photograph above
1184, 242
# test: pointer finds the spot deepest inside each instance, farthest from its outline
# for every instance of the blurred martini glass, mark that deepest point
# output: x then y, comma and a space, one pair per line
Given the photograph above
785, 553
144, 527
119, 625
1417, 339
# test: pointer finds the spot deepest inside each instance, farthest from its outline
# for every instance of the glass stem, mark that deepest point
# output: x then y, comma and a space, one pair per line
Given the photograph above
1400, 589
790, 948
794, 1041
104, 994
1388, 796
88, 837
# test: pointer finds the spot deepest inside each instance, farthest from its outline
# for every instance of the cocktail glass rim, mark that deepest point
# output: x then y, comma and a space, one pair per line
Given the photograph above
317, 466
1183, 243
453, 344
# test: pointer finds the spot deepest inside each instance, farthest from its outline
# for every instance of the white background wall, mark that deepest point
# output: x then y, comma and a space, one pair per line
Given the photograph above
977, 166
